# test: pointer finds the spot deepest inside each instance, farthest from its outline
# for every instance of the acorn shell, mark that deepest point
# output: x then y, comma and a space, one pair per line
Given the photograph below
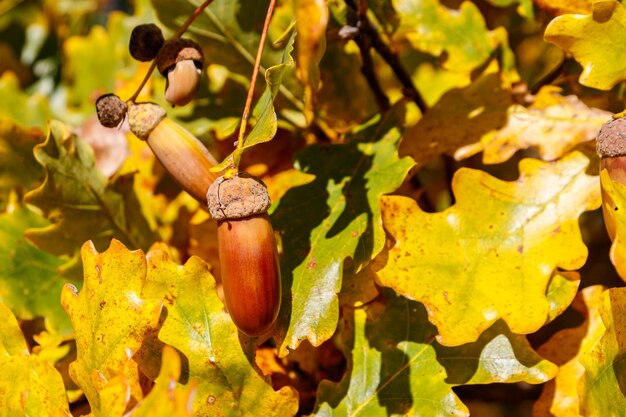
176, 50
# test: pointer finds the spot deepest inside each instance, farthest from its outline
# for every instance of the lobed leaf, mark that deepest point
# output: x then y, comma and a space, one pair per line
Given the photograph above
28, 386
460, 35
395, 366
166, 398
492, 254
602, 387
613, 204
111, 320
461, 116
331, 219
596, 41
560, 396
197, 326
18, 168
80, 201
266, 124
554, 124
30, 280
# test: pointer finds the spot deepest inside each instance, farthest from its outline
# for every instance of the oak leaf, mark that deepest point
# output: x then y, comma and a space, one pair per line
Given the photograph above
596, 41
492, 254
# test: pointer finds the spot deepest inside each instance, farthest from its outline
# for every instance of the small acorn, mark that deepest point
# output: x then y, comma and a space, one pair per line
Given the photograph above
247, 249
145, 42
111, 110
611, 147
186, 159
181, 62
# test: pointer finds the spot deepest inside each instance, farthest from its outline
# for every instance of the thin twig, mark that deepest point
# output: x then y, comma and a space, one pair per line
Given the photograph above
365, 45
176, 35
255, 72
367, 29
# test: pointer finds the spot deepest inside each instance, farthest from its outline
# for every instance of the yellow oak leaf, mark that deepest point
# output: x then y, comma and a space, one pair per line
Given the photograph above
167, 399
601, 389
559, 397
597, 41
29, 386
554, 124
111, 320
613, 205
492, 254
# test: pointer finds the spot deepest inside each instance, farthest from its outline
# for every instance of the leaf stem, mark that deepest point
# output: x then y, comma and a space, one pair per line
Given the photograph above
183, 28
246, 110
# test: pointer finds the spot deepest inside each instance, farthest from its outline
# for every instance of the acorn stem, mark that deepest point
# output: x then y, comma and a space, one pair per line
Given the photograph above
178, 34
234, 168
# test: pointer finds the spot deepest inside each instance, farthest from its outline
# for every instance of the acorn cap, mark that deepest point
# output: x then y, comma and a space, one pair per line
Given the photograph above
176, 50
145, 42
611, 140
240, 196
144, 117
111, 110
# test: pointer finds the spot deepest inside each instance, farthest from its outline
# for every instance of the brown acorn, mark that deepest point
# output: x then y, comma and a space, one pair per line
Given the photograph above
181, 62
247, 250
111, 110
182, 154
611, 147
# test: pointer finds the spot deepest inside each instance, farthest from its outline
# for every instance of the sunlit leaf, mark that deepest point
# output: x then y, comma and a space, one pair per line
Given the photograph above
613, 205
311, 21
111, 320
596, 41
30, 283
23, 109
197, 325
602, 388
493, 252
460, 34
395, 366
28, 385
475, 110
554, 124
79, 200
166, 399
331, 219
392, 369
560, 397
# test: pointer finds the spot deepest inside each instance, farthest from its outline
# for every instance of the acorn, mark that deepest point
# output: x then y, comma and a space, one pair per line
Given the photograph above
186, 159
181, 62
611, 147
247, 250
145, 42
111, 110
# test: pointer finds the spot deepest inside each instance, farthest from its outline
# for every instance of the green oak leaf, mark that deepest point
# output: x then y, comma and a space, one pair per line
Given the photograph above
596, 41
395, 366
81, 202
197, 325
435, 29
18, 167
26, 110
265, 125
334, 218
30, 283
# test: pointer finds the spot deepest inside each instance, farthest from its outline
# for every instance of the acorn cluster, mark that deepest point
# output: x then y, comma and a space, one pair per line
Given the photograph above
179, 60
239, 203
